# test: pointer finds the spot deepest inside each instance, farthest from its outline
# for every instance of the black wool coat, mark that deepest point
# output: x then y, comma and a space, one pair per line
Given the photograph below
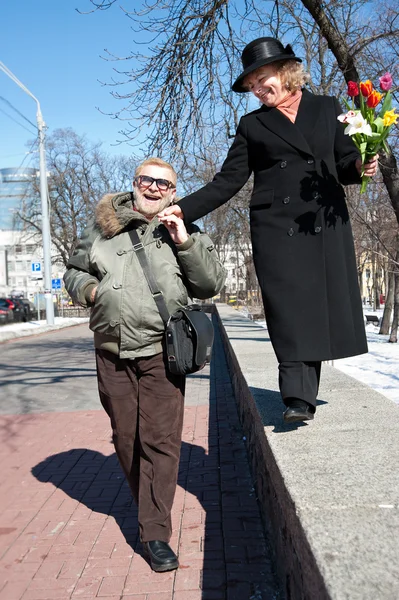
301, 234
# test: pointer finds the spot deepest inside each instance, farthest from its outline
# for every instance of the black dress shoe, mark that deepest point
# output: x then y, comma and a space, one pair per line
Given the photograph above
298, 410
161, 556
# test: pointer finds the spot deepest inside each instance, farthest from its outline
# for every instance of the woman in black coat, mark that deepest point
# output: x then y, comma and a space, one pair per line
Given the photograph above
301, 235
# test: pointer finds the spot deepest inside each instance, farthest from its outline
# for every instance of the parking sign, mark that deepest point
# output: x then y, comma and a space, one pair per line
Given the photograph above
36, 267
56, 284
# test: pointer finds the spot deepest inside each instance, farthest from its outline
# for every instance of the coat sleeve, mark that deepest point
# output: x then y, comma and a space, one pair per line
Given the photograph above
202, 268
231, 178
345, 151
80, 278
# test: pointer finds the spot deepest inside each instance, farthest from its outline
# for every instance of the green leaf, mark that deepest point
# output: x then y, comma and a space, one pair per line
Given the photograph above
363, 150
386, 149
363, 186
386, 105
347, 105
363, 107
379, 125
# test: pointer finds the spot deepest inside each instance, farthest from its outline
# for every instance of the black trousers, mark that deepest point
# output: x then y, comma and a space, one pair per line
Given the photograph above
146, 406
299, 380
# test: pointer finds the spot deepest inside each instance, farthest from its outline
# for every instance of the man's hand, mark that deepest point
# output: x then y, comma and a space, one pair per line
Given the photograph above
370, 168
176, 228
171, 210
93, 294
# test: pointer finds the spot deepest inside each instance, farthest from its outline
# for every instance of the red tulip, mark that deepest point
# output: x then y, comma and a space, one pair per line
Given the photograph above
353, 89
373, 99
366, 87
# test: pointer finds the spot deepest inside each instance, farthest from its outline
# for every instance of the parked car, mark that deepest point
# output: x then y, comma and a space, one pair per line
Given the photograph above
24, 310
9, 301
6, 312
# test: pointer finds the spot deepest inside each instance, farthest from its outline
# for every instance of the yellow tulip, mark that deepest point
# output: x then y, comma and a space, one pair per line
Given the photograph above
390, 117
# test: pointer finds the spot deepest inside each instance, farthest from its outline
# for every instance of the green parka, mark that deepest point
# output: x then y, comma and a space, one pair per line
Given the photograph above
124, 316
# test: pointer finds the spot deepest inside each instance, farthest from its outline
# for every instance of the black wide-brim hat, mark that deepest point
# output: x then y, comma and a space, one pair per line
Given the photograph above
260, 52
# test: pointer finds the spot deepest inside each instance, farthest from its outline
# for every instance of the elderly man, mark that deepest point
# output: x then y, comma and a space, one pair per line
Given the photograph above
142, 398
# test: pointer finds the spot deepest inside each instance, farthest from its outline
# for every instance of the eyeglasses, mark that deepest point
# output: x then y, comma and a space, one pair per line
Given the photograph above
145, 182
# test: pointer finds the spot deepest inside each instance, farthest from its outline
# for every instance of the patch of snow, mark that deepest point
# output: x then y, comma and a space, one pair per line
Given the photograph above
379, 368
17, 330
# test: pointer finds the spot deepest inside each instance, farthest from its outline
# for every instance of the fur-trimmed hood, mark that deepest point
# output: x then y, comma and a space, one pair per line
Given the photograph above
114, 212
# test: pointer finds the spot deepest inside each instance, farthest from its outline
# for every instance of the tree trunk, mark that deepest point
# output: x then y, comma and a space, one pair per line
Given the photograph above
347, 65
386, 317
393, 338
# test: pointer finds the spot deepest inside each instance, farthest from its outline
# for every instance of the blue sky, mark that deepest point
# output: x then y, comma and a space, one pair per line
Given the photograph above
55, 52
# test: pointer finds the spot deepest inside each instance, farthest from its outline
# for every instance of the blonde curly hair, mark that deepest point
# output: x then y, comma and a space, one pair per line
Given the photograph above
292, 74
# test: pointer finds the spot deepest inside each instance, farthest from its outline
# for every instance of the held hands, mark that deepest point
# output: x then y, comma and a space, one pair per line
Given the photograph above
174, 209
175, 225
369, 169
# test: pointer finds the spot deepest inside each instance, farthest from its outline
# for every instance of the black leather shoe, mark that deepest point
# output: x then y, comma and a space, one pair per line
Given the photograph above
298, 410
161, 556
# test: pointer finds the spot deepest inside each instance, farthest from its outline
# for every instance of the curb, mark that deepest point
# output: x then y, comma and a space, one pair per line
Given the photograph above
8, 336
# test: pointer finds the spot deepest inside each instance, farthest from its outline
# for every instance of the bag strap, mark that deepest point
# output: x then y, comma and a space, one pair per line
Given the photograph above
152, 282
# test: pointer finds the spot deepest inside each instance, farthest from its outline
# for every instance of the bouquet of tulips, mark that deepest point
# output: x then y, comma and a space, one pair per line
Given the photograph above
369, 126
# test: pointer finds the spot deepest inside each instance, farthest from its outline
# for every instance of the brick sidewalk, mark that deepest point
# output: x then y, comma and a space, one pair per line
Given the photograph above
68, 528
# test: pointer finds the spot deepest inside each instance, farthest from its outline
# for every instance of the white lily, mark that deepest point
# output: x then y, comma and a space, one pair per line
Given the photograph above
344, 117
357, 124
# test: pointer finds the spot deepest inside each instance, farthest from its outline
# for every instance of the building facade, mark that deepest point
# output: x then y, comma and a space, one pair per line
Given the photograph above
15, 184
21, 251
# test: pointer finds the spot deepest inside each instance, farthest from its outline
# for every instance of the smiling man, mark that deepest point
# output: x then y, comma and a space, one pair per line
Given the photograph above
154, 187
145, 402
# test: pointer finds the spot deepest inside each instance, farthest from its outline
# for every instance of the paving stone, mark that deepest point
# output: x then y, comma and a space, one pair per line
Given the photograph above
70, 526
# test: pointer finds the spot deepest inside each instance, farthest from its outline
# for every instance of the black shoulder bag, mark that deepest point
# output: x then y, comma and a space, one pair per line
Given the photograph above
188, 331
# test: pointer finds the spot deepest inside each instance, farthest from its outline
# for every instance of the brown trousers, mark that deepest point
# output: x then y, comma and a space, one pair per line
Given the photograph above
146, 406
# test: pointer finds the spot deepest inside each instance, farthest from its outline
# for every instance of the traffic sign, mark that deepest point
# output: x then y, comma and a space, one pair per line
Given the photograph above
56, 284
36, 267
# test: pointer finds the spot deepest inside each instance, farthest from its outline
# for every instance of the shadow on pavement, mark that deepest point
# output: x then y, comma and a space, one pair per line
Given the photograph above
271, 407
231, 546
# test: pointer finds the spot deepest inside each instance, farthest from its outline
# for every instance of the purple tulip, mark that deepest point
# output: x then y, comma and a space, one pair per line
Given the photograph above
386, 82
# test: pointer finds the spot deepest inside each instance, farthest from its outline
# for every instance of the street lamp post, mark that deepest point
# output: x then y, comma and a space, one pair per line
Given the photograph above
44, 200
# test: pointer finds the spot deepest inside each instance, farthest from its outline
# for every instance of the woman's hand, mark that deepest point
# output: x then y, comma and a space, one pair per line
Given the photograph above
176, 228
369, 169
171, 210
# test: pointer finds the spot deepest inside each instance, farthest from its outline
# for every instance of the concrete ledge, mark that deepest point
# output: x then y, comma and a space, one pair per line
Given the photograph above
329, 490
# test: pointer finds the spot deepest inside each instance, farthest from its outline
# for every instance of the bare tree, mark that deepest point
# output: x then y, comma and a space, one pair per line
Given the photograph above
79, 175
193, 55
393, 338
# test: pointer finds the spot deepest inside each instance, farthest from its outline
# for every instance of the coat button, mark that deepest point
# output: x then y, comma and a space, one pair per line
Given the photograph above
290, 232
283, 164
113, 323
317, 229
286, 200
117, 286
316, 195
120, 252
310, 161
